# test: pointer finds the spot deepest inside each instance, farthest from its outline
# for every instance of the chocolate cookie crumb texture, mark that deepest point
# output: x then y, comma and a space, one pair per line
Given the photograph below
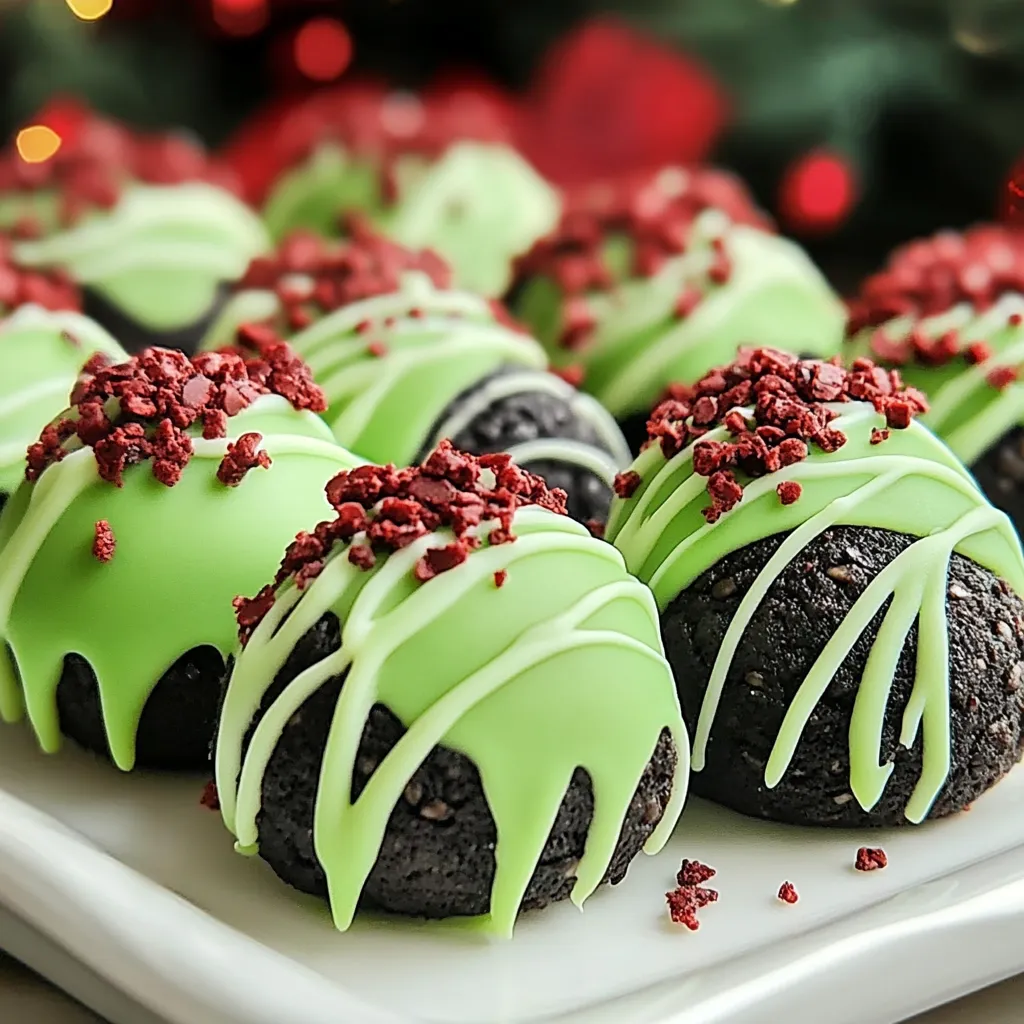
647, 283
146, 226
383, 660
144, 450
827, 667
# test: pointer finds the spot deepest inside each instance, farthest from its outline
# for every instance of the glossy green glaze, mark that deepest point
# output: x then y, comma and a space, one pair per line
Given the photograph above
183, 554
559, 668
775, 297
41, 354
160, 255
911, 484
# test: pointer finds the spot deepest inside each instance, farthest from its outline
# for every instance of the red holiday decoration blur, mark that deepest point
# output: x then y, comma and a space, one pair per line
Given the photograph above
323, 49
817, 193
241, 17
1012, 199
370, 118
608, 101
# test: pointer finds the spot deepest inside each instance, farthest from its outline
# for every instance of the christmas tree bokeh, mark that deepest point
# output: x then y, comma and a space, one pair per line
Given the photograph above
858, 125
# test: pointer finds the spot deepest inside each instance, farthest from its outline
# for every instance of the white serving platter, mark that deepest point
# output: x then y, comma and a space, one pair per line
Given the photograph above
127, 893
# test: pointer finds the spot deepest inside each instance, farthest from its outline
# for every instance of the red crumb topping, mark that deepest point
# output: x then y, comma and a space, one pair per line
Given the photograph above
789, 491
931, 275
787, 893
596, 528
655, 214
625, 484
693, 872
1001, 377
880, 435
312, 276
242, 455
870, 859
104, 542
143, 408
686, 901
210, 798
19, 286
500, 576
788, 397
98, 158
573, 375
388, 509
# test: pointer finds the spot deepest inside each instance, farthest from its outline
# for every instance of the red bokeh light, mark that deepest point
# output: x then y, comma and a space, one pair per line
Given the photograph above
323, 49
817, 193
241, 17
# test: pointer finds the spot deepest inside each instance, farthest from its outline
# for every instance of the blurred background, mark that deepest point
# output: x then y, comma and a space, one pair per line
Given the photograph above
858, 123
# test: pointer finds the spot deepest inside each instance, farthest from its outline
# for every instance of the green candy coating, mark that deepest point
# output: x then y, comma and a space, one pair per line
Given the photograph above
479, 206
41, 355
183, 553
560, 667
913, 484
774, 297
160, 255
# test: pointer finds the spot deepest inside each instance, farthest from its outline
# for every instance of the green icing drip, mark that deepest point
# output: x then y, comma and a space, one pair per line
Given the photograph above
560, 668
161, 254
967, 412
385, 406
38, 368
479, 206
774, 296
183, 553
911, 484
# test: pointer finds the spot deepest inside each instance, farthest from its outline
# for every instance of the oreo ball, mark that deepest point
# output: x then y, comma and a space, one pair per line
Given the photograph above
437, 857
1000, 474
801, 611
542, 407
135, 336
178, 721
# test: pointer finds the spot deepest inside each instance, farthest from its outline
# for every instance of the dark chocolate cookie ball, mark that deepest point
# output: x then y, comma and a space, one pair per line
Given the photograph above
437, 857
178, 721
529, 416
800, 612
1000, 473
134, 336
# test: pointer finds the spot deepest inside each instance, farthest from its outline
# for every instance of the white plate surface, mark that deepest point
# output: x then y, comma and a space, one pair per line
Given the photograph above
91, 860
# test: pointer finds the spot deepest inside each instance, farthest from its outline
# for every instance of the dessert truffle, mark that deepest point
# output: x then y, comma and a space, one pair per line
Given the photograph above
435, 171
44, 342
652, 281
167, 490
839, 602
948, 312
407, 361
145, 224
433, 721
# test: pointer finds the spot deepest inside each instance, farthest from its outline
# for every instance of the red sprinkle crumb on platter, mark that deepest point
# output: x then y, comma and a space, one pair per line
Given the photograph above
500, 576
693, 872
210, 800
871, 859
686, 901
787, 893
